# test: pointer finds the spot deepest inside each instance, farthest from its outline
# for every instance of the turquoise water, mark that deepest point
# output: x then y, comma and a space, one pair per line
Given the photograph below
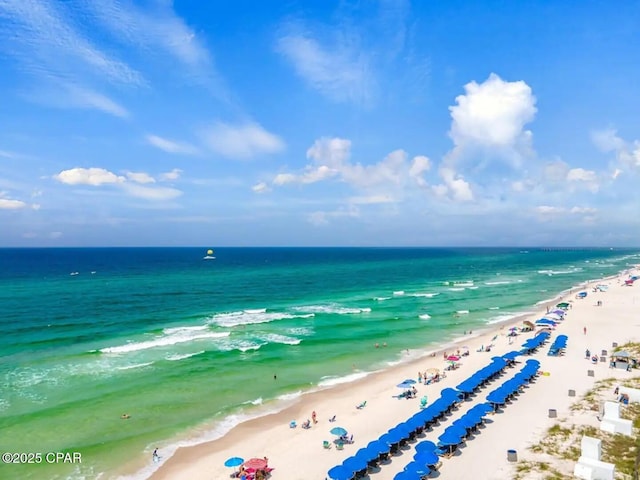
188, 346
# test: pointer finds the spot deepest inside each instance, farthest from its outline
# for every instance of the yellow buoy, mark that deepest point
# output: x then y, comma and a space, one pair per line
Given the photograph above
209, 252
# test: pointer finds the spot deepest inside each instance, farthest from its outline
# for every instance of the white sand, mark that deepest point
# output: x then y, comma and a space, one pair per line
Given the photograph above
297, 454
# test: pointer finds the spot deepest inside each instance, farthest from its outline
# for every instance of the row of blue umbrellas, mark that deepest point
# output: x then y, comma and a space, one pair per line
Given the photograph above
559, 343
401, 432
425, 451
510, 387
469, 385
535, 342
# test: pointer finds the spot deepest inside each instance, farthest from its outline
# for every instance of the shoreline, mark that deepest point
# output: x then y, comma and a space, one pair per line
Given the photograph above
302, 405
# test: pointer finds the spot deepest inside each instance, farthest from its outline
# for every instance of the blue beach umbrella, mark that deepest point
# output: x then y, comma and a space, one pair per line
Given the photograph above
340, 473
355, 463
234, 462
418, 469
377, 448
404, 475
404, 385
425, 446
426, 457
338, 431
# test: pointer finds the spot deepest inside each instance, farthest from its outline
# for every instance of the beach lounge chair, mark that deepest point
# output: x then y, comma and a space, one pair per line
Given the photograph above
423, 402
339, 445
332, 419
293, 424
326, 444
362, 405
307, 424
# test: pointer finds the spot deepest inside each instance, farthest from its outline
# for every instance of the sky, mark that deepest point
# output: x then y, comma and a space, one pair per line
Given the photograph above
319, 123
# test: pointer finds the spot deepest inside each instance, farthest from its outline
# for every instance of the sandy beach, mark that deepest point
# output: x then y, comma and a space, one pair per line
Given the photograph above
297, 454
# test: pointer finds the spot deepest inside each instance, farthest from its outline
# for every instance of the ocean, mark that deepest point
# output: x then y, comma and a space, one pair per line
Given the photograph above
189, 347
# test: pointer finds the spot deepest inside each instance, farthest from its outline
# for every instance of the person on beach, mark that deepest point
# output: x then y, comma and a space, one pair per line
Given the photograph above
313, 417
155, 455
584, 330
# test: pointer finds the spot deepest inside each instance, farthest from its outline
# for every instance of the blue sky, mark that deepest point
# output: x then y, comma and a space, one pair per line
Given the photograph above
319, 123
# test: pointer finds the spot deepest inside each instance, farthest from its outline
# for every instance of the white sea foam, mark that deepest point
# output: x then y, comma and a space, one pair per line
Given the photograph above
494, 308
164, 341
560, 272
381, 299
277, 338
248, 317
304, 331
398, 293
255, 310
502, 282
424, 316
257, 401
137, 365
427, 295
176, 357
456, 289
462, 312
290, 396
203, 435
473, 288
195, 328
331, 381
332, 308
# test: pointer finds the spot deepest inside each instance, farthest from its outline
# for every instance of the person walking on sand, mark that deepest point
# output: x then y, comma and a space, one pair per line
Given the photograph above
313, 417
155, 455
584, 330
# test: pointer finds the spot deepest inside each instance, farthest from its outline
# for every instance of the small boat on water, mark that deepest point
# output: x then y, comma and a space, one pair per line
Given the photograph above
209, 255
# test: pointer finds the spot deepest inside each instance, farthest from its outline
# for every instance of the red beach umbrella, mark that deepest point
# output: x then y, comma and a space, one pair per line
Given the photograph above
255, 463
453, 358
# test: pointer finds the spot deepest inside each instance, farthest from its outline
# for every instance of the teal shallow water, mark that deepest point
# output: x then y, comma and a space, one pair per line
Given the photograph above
180, 343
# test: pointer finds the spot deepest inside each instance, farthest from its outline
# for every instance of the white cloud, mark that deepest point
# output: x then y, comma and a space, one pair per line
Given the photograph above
170, 146
549, 210
321, 219
553, 210
241, 141
151, 193
45, 41
8, 204
172, 175
60, 94
88, 176
157, 28
420, 165
261, 187
140, 177
86, 98
581, 175
492, 113
135, 184
580, 210
627, 153
607, 140
371, 200
340, 71
331, 160
455, 186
